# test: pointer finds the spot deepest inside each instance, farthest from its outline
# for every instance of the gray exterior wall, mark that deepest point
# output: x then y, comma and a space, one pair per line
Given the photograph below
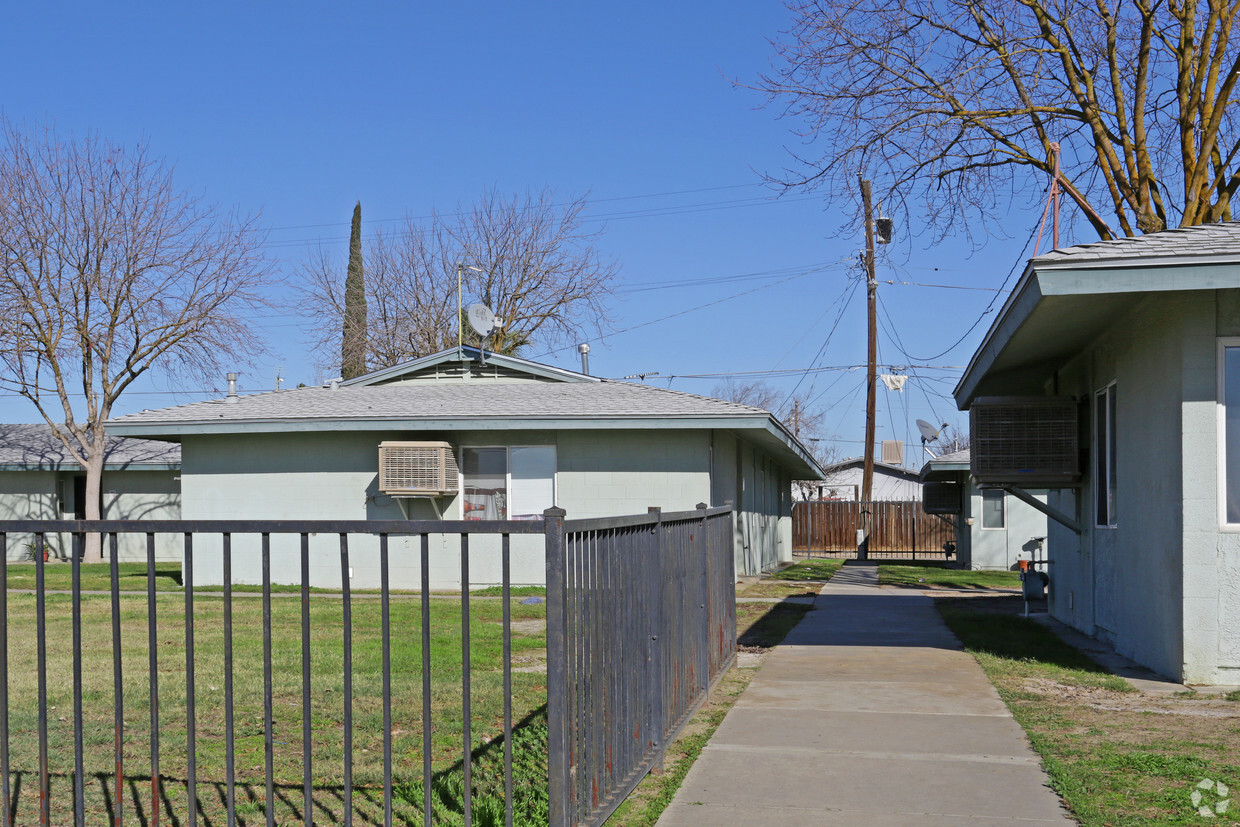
1163, 585
334, 475
999, 549
127, 495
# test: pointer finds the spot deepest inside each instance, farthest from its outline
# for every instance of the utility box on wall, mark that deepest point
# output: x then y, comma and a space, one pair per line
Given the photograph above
1025, 440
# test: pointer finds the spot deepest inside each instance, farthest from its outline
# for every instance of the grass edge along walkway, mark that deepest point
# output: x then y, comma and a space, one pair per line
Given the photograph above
1112, 760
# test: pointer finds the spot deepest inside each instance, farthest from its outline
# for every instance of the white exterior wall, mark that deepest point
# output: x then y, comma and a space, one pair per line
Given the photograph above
127, 495
334, 475
999, 549
845, 483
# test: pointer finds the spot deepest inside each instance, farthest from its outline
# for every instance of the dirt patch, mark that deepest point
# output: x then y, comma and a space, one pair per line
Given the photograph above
1104, 699
529, 627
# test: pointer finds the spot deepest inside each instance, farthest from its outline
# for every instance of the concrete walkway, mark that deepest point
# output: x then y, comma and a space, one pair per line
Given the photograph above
869, 713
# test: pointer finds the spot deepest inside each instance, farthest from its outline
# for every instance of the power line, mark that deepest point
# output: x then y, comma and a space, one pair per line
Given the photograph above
989, 307
564, 204
651, 212
845, 300
689, 310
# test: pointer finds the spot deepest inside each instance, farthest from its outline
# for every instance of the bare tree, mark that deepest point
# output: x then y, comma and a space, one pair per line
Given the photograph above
949, 441
953, 105
806, 425
528, 258
107, 271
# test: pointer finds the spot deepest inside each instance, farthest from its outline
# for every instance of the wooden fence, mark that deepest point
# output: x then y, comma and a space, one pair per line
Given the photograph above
897, 529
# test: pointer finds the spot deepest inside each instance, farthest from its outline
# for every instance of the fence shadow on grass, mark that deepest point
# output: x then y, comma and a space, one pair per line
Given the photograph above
530, 793
993, 626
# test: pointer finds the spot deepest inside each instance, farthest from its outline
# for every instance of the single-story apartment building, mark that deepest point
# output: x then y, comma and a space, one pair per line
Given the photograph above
516, 437
994, 529
842, 481
1129, 352
39, 480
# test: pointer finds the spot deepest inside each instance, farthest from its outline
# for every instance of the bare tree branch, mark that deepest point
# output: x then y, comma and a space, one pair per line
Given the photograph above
528, 258
107, 271
947, 103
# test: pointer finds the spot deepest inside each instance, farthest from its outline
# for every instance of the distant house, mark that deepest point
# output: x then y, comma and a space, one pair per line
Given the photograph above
521, 435
40, 481
842, 481
994, 530
1142, 336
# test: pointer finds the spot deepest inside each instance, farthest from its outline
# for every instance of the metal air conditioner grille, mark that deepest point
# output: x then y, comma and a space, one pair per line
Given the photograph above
941, 498
1024, 440
413, 469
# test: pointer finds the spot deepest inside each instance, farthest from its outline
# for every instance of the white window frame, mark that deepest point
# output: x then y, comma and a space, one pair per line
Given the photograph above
1003, 509
1224, 343
1105, 446
460, 463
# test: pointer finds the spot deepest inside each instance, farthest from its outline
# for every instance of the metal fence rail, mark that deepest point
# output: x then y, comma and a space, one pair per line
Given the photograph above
175, 686
646, 624
206, 707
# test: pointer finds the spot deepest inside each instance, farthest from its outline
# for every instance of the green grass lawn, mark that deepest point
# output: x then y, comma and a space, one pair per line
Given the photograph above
326, 709
939, 577
801, 580
1117, 757
95, 576
132, 577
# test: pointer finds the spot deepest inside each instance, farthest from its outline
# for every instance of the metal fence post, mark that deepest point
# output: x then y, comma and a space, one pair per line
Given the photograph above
558, 769
704, 563
654, 595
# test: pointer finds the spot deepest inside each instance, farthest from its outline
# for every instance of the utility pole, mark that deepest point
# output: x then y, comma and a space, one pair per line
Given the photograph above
867, 475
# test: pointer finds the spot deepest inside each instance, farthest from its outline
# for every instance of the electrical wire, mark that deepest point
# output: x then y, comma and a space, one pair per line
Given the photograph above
1020, 259
844, 302
683, 312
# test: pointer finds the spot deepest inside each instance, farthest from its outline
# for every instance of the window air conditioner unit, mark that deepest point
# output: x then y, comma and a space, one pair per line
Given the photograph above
941, 498
418, 469
1025, 440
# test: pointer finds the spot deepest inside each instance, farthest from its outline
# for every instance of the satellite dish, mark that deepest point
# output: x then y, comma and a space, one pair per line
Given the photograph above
481, 319
928, 432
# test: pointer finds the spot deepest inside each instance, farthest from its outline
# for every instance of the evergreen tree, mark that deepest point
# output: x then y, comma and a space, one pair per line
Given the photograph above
353, 342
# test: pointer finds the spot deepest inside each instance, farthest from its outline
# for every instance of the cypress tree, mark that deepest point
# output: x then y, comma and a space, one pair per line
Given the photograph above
353, 342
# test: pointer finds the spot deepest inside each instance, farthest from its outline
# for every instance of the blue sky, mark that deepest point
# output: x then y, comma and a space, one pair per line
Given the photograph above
297, 110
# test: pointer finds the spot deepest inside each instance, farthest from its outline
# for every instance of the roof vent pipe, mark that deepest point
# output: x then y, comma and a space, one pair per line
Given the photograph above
584, 350
232, 388
334, 383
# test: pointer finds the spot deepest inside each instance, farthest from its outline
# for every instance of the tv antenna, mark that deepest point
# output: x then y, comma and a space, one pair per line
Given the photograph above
484, 323
929, 433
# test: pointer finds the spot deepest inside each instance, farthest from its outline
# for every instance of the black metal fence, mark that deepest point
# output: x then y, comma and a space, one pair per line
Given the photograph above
269, 704
647, 624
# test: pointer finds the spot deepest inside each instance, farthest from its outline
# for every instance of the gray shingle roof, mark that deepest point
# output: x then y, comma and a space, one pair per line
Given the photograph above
1216, 240
35, 446
955, 456
451, 400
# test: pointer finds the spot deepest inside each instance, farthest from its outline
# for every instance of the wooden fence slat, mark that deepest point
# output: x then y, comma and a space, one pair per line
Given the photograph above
896, 528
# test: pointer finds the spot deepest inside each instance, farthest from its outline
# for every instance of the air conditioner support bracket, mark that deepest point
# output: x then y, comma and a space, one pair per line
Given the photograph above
1033, 502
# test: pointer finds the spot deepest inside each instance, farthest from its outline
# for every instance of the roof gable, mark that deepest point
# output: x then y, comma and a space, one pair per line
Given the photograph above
467, 364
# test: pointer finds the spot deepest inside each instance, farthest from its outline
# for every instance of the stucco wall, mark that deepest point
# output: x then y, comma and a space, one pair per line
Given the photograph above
127, 495
999, 548
334, 475
1125, 583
